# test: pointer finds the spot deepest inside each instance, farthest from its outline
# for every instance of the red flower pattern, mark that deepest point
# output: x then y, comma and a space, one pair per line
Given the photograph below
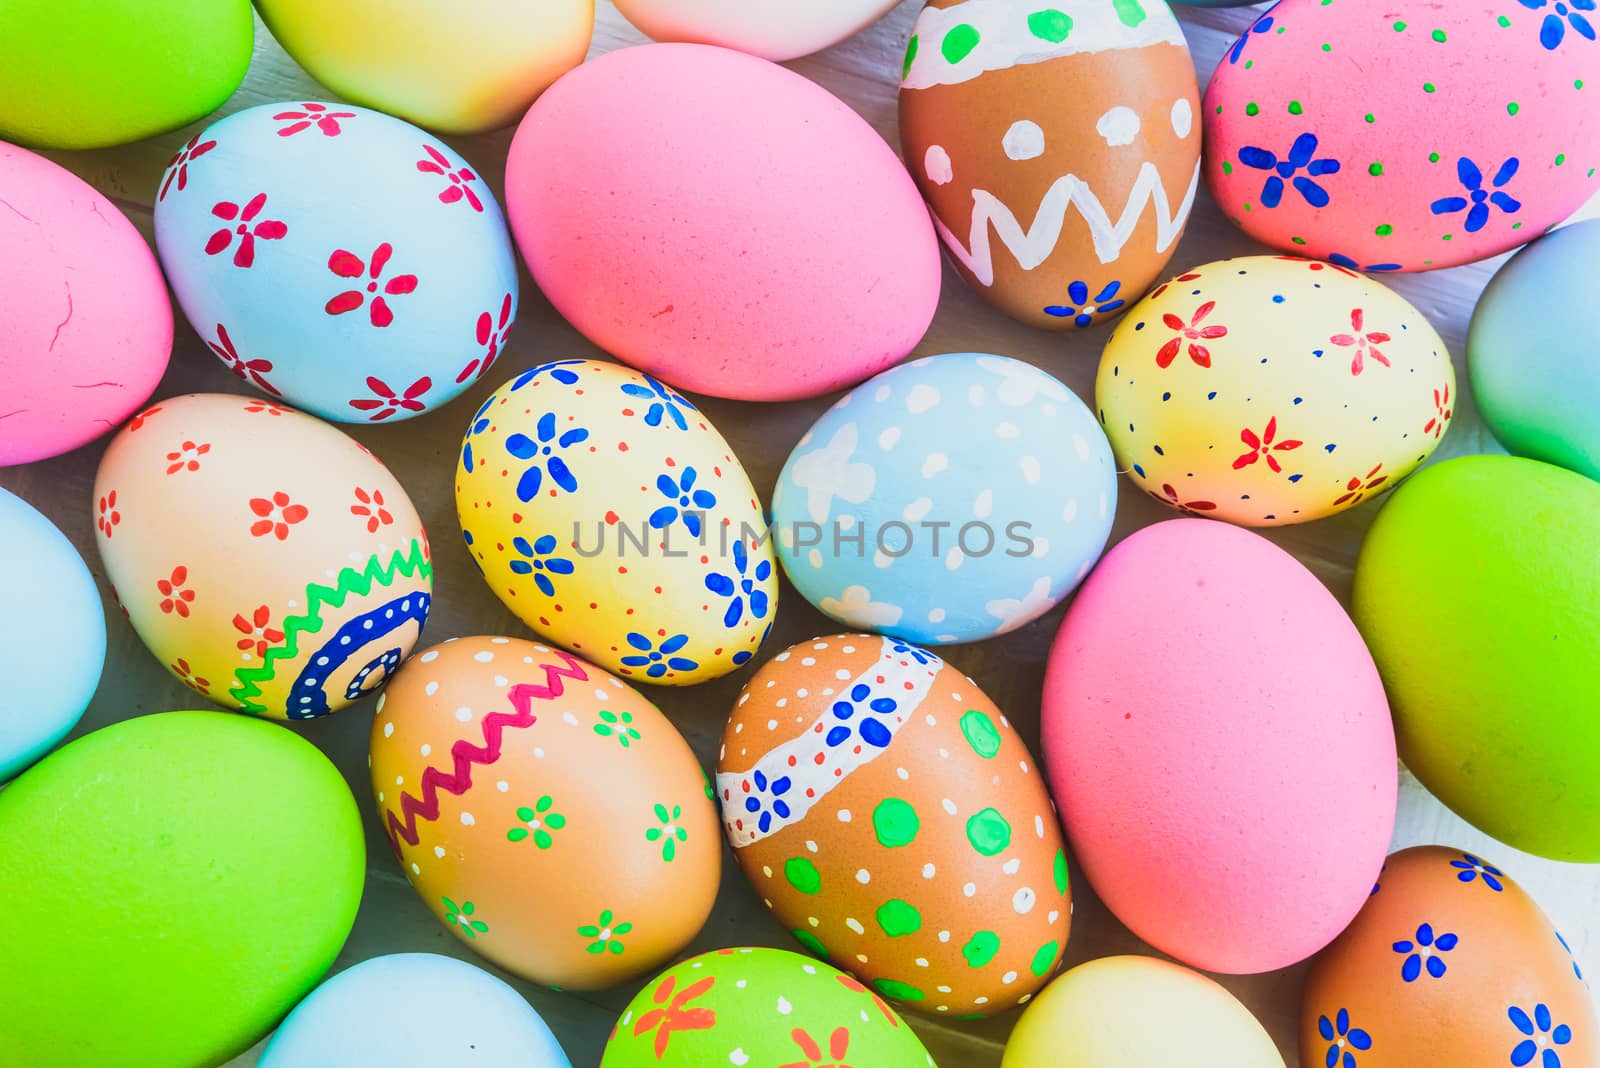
138, 420
1318, 265
458, 189
310, 115
174, 598
178, 166
491, 334
257, 633
1263, 445
247, 229
371, 506
109, 516
1168, 495
850, 982
349, 265
277, 515
187, 457
1365, 344
180, 668
1359, 486
387, 403
1162, 288
1194, 333
250, 370
1442, 413
674, 1013
264, 406
838, 1049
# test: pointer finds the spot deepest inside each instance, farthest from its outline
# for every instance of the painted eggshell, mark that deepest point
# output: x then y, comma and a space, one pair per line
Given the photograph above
93, 73
414, 1009
87, 330
1058, 148
613, 519
1206, 701
171, 885
891, 818
548, 814
755, 225
759, 1006
946, 500
1449, 962
291, 232
1101, 1013
1467, 616
420, 64
772, 29
314, 578
1535, 372
1367, 133
52, 635
1268, 391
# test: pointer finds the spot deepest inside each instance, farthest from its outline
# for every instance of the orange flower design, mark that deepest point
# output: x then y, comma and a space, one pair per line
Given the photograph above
257, 633
674, 1014
277, 515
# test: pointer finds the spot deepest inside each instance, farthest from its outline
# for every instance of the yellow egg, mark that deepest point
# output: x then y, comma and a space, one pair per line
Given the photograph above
1137, 1012
1268, 390
609, 514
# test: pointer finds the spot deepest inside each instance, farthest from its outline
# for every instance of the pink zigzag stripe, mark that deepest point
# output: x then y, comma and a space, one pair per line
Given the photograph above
464, 754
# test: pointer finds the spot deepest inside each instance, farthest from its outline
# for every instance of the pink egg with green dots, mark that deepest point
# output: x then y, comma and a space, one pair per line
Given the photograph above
1406, 135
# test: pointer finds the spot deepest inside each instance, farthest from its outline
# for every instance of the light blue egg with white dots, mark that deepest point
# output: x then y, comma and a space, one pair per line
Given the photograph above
950, 499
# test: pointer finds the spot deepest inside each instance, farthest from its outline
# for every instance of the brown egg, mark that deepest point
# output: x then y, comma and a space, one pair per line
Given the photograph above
1449, 963
548, 814
1059, 149
892, 819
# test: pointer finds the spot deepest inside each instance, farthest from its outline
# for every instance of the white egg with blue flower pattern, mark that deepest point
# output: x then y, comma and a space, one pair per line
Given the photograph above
949, 499
609, 514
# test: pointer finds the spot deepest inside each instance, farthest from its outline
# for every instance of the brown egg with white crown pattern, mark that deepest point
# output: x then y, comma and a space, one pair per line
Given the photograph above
893, 820
1058, 146
1449, 962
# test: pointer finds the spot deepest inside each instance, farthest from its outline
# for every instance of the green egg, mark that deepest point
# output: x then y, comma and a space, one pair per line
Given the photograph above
1478, 592
92, 73
170, 886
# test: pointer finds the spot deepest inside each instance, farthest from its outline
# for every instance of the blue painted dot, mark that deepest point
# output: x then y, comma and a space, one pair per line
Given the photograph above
1138, 470
1297, 400
1277, 298
1159, 450
1330, 448
875, 733
1138, 327
1166, 396
1212, 395
1296, 478
1317, 353
837, 735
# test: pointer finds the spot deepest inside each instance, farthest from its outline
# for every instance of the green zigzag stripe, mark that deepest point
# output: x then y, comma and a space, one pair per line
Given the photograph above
349, 581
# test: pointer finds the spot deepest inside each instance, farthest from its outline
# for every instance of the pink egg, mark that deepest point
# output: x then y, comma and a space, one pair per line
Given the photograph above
1218, 742
86, 329
721, 222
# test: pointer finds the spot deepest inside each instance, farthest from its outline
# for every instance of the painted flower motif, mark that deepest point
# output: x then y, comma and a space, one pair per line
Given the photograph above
310, 115
276, 515
539, 562
1351, 266
1542, 1035
838, 1049
1261, 25
174, 598
1301, 157
1365, 343
137, 421
616, 726
670, 833
538, 822
1470, 868
349, 265
385, 402
1553, 30
1424, 953
493, 336
665, 402
656, 659
1169, 495
1359, 486
557, 370
370, 505
1189, 277
109, 516
606, 934
902, 649
178, 166
257, 630
1342, 1039
673, 1012
459, 178
1343, 264
180, 667
740, 587
1194, 333
1575, 969
1442, 413
687, 501
249, 370
480, 423
187, 457
460, 917
542, 453
1081, 310
246, 228
1476, 202
263, 407
1262, 446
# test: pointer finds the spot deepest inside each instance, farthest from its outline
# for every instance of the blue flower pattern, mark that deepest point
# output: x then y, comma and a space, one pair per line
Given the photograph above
767, 799
1541, 1037
656, 659
1476, 202
1472, 868
685, 501
1301, 157
859, 715
740, 586
557, 370
1426, 948
1081, 311
538, 562
666, 403
1261, 25
543, 453
1341, 260
479, 424
1342, 1039
1553, 30
921, 656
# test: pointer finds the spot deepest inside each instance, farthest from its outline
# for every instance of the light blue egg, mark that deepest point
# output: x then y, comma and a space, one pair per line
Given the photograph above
52, 635
414, 1010
340, 258
949, 499
1531, 351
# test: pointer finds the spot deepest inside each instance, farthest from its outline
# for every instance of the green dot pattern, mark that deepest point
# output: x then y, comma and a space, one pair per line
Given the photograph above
813, 945
895, 823
911, 55
1131, 12
981, 948
1050, 25
894, 988
1044, 958
988, 832
1063, 878
898, 918
802, 875
959, 42
980, 733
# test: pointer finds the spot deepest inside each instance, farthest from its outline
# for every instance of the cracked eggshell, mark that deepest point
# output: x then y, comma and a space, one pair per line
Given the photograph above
893, 821
772, 29
1058, 147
